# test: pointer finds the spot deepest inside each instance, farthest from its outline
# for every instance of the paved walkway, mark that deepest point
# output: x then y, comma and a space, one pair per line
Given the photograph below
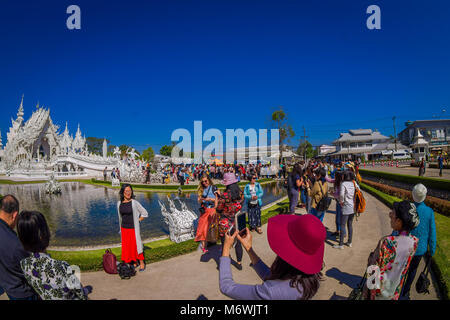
189, 276
413, 171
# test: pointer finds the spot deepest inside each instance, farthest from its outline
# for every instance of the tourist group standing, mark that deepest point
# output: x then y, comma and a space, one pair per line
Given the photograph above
27, 272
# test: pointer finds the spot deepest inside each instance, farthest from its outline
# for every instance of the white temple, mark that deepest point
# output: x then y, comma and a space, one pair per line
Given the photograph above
35, 148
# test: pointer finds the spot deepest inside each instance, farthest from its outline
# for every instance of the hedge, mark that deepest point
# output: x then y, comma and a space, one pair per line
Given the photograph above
434, 183
441, 261
91, 260
439, 205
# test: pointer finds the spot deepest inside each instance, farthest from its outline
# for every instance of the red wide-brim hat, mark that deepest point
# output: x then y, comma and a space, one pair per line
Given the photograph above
298, 240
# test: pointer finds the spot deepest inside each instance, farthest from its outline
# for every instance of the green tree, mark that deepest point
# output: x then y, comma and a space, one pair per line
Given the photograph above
148, 154
95, 145
166, 151
110, 152
280, 121
306, 148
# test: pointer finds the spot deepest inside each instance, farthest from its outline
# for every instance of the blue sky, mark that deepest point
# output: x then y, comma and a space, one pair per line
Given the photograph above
137, 70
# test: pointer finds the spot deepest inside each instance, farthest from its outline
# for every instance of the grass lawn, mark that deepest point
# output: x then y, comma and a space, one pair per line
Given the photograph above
91, 260
441, 260
167, 187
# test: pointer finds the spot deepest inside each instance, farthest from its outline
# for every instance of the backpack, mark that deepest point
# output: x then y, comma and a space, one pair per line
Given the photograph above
126, 271
359, 201
325, 202
109, 262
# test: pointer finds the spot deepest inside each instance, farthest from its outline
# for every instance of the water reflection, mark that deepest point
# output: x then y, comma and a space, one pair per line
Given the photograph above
85, 215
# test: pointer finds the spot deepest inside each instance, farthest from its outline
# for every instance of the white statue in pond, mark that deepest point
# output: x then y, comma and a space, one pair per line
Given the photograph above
52, 186
180, 221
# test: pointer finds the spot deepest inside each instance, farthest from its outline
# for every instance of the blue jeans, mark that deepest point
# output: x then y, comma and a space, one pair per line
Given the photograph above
303, 196
293, 200
308, 203
346, 219
338, 216
318, 214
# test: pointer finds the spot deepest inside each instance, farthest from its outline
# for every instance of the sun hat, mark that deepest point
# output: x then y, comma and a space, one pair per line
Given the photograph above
419, 193
229, 178
298, 240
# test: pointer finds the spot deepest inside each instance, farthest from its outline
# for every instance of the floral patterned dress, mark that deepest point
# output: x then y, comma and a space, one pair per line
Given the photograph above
52, 279
227, 209
393, 260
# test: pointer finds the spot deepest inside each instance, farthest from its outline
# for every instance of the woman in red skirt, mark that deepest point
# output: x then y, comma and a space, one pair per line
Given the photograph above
131, 213
207, 198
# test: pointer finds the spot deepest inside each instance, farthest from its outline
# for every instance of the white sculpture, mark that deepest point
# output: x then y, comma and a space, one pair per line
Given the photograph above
52, 186
132, 154
116, 152
180, 222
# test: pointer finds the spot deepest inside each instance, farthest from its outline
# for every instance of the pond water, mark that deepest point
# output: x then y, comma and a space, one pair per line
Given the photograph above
86, 215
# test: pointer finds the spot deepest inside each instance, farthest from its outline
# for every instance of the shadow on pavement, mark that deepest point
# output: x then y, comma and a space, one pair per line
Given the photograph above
337, 297
215, 252
331, 237
350, 280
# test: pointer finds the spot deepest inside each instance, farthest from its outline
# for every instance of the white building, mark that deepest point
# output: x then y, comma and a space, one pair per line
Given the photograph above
35, 148
357, 143
325, 149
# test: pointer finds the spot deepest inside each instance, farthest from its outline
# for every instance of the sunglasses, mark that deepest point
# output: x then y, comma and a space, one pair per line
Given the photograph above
253, 178
203, 181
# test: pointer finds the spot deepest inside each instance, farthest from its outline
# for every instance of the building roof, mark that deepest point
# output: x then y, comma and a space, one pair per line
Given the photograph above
360, 135
351, 151
390, 145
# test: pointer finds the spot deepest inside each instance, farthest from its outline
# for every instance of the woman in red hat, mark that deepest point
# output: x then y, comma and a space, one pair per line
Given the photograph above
299, 244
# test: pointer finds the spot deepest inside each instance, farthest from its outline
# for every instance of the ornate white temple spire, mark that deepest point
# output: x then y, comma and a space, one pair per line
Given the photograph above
20, 112
105, 148
1, 145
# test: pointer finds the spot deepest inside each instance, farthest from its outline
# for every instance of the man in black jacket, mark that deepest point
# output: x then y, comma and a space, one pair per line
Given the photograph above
12, 280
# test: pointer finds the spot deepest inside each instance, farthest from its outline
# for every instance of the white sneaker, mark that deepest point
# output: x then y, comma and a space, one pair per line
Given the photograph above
336, 246
349, 244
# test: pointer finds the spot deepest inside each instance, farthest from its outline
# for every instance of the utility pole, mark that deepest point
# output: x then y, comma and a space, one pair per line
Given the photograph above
395, 134
304, 142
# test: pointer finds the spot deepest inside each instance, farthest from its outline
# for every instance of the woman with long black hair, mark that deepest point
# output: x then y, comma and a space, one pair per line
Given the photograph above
294, 182
131, 213
295, 274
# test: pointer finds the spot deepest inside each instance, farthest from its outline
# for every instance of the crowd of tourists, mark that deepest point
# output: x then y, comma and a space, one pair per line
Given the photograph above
27, 272
298, 240
185, 173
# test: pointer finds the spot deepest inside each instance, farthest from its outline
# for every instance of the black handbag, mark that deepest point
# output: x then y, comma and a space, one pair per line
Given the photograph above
423, 283
125, 271
325, 202
357, 293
